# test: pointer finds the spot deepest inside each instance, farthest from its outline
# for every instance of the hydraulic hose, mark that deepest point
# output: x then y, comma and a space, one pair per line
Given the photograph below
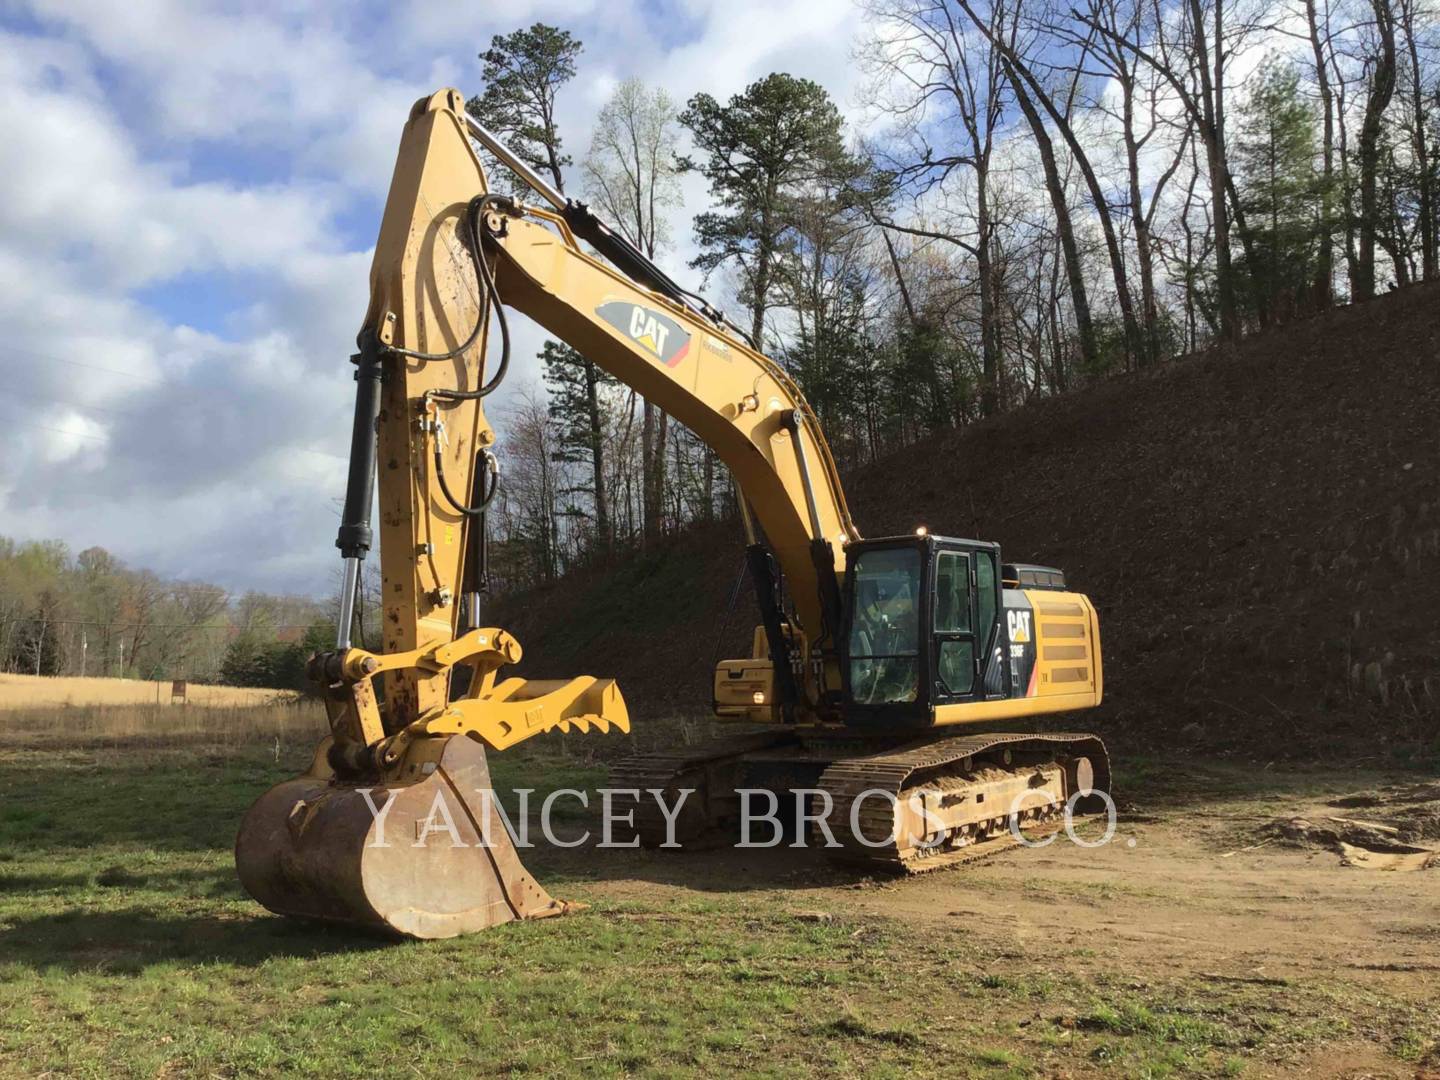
485, 277
485, 461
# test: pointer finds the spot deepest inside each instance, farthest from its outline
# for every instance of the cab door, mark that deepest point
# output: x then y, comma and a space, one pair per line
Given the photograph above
968, 647
953, 639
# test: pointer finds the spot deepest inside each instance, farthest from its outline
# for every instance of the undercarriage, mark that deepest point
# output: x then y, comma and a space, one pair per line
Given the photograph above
888, 805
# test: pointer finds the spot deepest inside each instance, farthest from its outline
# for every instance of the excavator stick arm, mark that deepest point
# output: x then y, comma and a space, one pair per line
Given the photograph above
394, 826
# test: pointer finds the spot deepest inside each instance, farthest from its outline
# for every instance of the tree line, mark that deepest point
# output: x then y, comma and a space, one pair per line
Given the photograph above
1046, 193
90, 615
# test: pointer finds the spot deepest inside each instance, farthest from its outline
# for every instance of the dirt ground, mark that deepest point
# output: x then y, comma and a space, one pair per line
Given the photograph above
1198, 885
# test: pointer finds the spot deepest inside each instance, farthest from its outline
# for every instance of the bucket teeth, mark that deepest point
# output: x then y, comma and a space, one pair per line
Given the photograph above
516, 709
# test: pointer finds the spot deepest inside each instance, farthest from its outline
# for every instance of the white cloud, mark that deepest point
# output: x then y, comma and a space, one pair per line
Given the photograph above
222, 156
744, 40
73, 438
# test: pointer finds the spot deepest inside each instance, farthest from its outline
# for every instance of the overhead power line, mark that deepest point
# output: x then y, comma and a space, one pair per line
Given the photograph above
58, 431
11, 350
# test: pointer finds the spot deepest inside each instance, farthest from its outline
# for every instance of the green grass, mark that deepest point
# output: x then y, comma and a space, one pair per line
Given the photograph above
127, 948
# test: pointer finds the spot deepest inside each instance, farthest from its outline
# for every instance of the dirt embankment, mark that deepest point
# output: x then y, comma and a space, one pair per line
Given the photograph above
1259, 529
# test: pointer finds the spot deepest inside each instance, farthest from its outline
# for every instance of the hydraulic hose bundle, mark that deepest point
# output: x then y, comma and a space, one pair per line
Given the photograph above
355, 535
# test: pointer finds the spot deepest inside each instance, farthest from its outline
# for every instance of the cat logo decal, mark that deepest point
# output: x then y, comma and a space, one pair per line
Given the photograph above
654, 331
1019, 626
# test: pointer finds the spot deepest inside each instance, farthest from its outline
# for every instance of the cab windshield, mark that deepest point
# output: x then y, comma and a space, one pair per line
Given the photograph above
885, 627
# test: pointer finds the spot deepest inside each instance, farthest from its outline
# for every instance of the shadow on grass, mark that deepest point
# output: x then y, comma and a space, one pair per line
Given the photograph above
717, 868
131, 940
195, 882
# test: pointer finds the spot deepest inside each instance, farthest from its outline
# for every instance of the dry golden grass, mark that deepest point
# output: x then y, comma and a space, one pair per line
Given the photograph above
295, 724
39, 691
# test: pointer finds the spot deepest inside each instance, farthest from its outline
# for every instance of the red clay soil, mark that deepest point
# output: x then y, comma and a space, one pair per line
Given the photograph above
1259, 529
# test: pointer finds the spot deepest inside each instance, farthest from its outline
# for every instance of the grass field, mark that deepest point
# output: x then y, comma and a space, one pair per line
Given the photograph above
128, 949
41, 691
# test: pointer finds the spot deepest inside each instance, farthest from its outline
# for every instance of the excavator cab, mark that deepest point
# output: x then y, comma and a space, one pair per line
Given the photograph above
935, 634
935, 631
923, 627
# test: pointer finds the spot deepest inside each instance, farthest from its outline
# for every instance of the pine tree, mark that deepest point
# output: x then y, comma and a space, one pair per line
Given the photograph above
523, 74
759, 151
1281, 187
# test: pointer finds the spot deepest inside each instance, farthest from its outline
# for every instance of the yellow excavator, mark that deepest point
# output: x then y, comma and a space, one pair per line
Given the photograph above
880, 667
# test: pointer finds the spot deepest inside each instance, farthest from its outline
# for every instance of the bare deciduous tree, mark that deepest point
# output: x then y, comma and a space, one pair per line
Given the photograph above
631, 175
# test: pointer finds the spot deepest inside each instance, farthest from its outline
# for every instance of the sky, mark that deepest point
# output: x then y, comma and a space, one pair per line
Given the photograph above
188, 203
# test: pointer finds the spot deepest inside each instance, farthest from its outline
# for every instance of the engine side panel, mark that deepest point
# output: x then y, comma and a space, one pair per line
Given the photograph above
1066, 646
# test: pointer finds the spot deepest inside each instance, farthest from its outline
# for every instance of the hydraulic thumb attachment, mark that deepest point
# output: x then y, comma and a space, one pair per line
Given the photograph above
498, 715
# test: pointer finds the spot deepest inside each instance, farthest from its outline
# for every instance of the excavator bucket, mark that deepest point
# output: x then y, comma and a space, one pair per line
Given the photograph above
425, 855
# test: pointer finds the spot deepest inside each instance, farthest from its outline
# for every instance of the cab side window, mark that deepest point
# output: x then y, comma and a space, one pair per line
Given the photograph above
952, 594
